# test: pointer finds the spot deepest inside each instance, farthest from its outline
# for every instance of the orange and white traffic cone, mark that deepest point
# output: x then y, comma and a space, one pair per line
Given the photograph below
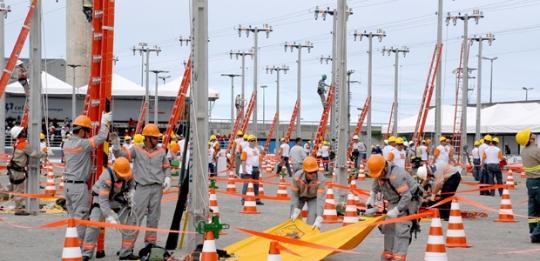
50, 187
510, 180
250, 207
505, 211
435, 248
212, 202
209, 252
356, 197
362, 173
349, 166
282, 189
351, 214
261, 188
273, 252
329, 212
455, 234
231, 185
72, 244
305, 212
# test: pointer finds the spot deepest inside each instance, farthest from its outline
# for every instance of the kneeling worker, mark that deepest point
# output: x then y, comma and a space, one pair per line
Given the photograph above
404, 197
308, 186
111, 196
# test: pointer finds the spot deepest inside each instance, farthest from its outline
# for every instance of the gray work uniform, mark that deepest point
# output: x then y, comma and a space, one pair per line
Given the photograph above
109, 199
17, 168
399, 189
311, 192
150, 168
78, 158
297, 156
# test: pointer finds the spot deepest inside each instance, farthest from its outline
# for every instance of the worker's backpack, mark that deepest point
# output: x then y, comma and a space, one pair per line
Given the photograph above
154, 253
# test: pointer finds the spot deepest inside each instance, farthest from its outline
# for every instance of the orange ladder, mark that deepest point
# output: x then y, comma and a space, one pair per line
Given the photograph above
390, 121
179, 103
359, 124
270, 134
292, 123
458, 112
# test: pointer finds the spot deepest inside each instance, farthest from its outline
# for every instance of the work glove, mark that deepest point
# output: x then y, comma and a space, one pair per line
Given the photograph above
296, 212
393, 213
106, 118
112, 219
318, 222
371, 211
166, 183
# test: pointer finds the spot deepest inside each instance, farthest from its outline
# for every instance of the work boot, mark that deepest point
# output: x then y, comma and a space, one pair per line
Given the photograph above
86, 258
535, 239
259, 203
129, 257
21, 212
100, 254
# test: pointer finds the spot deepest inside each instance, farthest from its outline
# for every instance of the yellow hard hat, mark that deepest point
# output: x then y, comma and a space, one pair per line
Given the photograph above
488, 138
138, 139
391, 139
399, 141
151, 130
245, 137
239, 133
41, 136
523, 136
213, 138
477, 143
496, 140
481, 141
127, 137
252, 138
442, 138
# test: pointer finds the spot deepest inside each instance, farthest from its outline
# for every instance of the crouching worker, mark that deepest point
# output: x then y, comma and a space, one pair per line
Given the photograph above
308, 187
112, 195
404, 198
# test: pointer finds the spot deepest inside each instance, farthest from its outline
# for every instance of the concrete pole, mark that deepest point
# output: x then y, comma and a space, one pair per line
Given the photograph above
438, 86
34, 126
3, 14
370, 67
147, 88
299, 93
74, 94
264, 105
465, 86
78, 42
335, 107
255, 74
277, 106
479, 93
232, 104
396, 70
491, 81
341, 84
243, 81
156, 100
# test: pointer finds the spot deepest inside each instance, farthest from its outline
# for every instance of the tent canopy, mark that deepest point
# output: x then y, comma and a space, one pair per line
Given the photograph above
49, 85
122, 87
170, 89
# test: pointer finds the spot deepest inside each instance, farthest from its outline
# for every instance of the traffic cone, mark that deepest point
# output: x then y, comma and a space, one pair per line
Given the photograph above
273, 252
250, 207
356, 198
50, 188
435, 248
455, 234
349, 166
329, 212
505, 211
209, 252
305, 212
510, 180
231, 185
212, 202
261, 188
362, 173
351, 214
72, 244
282, 189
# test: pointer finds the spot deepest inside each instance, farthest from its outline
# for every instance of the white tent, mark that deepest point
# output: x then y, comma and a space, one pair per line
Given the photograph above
499, 118
122, 87
170, 89
49, 85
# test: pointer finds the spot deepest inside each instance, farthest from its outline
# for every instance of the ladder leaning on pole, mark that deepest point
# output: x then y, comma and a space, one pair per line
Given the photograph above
458, 111
292, 123
321, 131
270, 134
359, 124
390, 121
179, 104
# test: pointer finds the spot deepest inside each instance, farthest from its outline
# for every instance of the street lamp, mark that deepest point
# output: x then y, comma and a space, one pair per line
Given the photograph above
491, 77
156, 96
263, 87
73, 94
527, 92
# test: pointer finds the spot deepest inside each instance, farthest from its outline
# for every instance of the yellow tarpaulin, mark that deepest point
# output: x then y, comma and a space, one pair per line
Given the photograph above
348, 237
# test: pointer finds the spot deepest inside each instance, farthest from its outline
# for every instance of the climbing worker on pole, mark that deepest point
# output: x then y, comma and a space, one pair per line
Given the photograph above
403, 195
251, 157
283, 154
78, 151
492, 156
530, 155
17, 167
151, 173
112, 195
308, 187
321, 89
22, 76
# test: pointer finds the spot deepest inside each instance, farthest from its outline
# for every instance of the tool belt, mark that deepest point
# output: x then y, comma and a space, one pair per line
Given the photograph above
12, 166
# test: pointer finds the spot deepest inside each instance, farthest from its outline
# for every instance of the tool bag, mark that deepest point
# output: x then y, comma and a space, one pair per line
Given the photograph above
154, 253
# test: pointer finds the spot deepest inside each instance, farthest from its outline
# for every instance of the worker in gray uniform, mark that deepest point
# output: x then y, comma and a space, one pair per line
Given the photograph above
151, 172
404, 198
308, 186
112, 195
78, 157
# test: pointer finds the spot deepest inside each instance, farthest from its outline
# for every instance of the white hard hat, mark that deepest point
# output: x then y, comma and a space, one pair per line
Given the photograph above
355, 137
19, 62
15, 131
422, 172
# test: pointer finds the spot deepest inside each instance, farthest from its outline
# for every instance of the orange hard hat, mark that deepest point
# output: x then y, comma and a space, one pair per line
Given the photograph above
122, 168
83, 121
151, 130
375, 165
310, 164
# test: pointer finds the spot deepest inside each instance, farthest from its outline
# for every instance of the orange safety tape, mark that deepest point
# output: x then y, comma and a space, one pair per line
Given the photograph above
128, 227
404, 218
296, 242
446, 200
482, 206
523, 251
487, 187
169, 199
36, 196
359, 192
245, 197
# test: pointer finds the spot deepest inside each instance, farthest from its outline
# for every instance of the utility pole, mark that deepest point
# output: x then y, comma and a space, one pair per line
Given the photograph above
490, 38
198, 207
255, 30
404, 50
243, 55
74, 94
230, 75
491, 77
4, 10
438, 83
308, 45
527, 92
144, 50
263, 87
465, 86
34, 126
277, 69
380, 34
156, 96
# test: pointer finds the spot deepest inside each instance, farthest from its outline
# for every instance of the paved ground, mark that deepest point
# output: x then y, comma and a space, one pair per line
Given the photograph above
491, 241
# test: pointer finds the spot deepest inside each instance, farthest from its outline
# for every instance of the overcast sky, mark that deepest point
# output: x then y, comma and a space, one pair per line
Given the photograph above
409, 23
